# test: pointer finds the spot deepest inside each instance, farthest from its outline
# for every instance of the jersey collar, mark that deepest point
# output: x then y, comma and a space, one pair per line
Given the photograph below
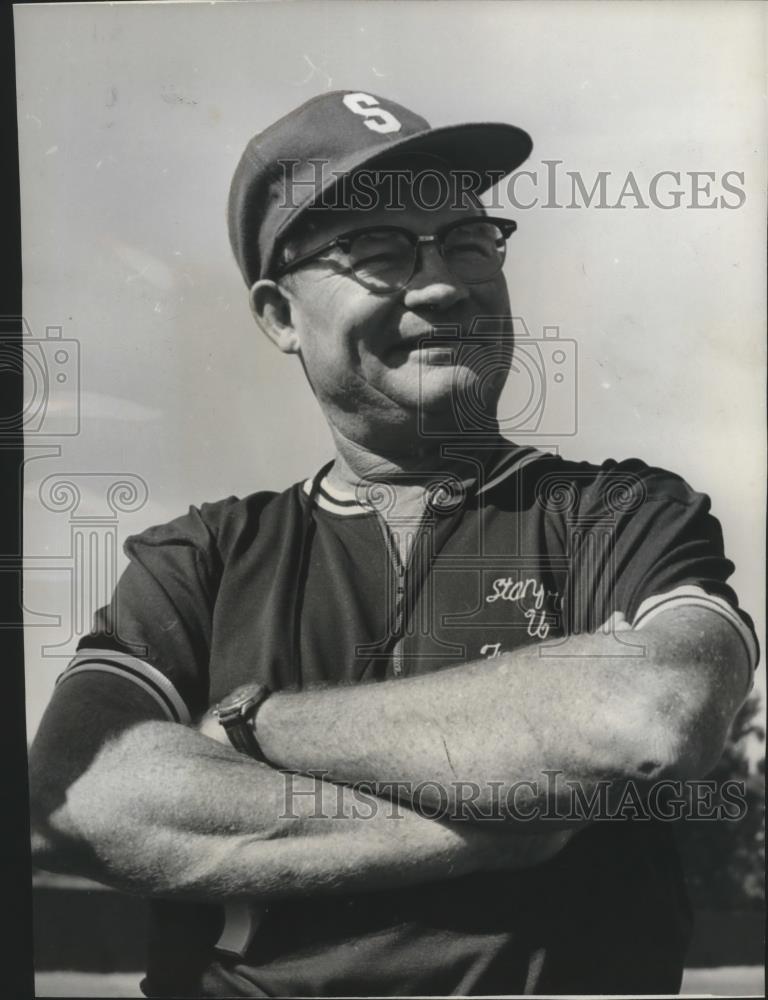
350, 502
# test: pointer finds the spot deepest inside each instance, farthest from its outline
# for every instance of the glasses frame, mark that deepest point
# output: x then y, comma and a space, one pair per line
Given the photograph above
344, 242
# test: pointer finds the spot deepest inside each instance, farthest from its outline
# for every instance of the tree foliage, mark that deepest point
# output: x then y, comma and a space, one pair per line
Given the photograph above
724, 860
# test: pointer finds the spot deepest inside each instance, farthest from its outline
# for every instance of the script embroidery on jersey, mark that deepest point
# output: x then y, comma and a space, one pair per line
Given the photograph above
521, 592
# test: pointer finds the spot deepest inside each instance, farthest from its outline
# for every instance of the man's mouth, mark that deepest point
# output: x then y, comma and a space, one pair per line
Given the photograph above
425, 348
424, 340
407, 346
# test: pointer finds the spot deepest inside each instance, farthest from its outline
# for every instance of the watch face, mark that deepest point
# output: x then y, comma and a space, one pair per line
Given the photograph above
237, 700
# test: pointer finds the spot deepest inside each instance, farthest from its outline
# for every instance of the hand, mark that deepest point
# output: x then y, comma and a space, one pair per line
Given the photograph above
209, 726
529, 849
494, 848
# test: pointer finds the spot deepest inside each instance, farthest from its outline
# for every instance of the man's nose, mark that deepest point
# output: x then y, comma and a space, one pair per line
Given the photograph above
433, 286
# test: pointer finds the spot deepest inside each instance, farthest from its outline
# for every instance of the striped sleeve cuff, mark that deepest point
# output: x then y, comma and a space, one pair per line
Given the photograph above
147, 677
241, 921
690, 595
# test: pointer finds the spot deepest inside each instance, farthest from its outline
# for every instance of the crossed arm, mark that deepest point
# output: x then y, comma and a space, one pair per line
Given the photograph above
159, 809
634, 705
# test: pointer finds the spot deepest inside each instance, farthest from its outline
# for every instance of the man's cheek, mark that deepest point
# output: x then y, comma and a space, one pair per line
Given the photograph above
492, 304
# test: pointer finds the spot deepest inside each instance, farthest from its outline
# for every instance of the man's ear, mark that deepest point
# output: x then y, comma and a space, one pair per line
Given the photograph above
271, 309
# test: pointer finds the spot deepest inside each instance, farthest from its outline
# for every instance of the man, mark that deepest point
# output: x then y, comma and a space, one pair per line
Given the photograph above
438, 614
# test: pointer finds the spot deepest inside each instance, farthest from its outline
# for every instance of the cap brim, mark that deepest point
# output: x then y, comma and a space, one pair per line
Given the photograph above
490, 150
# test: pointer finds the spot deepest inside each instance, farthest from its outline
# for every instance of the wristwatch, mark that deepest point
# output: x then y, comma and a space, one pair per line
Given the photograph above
235, 713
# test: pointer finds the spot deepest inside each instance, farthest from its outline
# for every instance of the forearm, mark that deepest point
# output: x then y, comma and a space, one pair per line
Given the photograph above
165, 811
576, 708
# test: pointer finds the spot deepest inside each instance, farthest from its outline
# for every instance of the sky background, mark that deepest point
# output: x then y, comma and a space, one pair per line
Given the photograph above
131, 121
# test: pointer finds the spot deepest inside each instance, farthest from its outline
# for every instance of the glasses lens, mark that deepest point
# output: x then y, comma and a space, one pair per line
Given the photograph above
381, 259
475, 251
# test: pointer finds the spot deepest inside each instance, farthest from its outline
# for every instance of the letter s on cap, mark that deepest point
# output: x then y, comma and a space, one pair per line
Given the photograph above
374, 116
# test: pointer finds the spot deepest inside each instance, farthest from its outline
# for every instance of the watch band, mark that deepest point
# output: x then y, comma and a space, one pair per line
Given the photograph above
243, 738
236, 713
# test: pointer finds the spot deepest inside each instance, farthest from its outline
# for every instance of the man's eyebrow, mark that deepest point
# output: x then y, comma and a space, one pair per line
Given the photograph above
309, 231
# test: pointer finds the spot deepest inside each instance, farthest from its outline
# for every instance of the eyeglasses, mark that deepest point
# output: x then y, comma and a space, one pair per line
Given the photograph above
384, 259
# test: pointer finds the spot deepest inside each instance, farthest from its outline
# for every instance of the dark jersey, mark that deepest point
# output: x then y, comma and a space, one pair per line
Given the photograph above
523, 548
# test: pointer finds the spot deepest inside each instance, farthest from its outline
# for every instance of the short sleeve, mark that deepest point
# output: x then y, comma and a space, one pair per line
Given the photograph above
643, 541
156, 630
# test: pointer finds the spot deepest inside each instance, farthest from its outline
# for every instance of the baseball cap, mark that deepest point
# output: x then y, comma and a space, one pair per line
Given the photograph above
288, 167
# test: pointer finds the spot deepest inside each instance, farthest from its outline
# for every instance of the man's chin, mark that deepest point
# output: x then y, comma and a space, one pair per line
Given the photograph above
458, 388
453, 412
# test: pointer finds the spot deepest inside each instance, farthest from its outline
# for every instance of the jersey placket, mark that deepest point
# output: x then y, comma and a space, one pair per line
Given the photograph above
425, 537
401, 578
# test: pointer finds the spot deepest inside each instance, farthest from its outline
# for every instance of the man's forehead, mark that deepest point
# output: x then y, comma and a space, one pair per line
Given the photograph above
419, 194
